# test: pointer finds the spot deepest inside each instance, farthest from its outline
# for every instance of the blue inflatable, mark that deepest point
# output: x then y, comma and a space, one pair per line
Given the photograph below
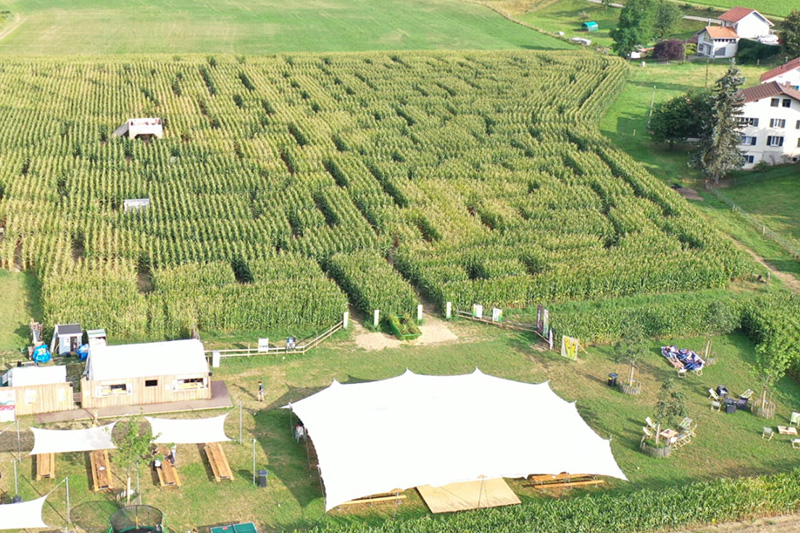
83, 352
41, 354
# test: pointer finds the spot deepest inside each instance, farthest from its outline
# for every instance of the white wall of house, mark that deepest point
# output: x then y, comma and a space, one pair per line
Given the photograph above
791, 77
752, 26
719, 48
784, 137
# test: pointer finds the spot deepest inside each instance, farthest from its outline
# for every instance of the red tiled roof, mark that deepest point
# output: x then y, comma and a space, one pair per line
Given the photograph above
768, 90
736, 14
777, 71
721, 32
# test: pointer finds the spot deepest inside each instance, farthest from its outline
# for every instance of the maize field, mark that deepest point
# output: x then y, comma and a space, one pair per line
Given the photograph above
477, 176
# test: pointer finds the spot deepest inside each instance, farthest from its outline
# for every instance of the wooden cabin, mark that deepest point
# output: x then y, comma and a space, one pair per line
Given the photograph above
136, 374
28, 390
66, 338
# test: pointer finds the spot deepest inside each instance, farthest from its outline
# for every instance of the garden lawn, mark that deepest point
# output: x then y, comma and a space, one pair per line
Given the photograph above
726, 445
260, 27
775, 201
780, 8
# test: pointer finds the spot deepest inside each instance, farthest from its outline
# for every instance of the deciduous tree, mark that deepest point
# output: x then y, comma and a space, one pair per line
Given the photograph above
681, 118
666, 50
133, 448
666, 15
635, 27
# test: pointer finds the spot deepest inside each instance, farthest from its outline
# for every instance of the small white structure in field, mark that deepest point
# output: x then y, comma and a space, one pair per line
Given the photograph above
135, 204
141, 127
581, 40
67, 338
788, 73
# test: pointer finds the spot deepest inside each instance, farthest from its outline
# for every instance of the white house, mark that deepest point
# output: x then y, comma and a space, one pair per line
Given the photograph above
747, 23
717, 42
770, 123
788, 73
144, 127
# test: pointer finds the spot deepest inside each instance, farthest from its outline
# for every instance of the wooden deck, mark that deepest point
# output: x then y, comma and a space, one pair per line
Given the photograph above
167, 473
45, 466
101, 471
218, 461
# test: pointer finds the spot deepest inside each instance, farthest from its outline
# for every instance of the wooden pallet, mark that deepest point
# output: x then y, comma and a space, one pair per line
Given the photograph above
218, 461
46, 466
563, 480
167, 473
101, 471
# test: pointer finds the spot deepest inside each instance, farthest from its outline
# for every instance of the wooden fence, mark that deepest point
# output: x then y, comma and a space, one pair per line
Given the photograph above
300, 348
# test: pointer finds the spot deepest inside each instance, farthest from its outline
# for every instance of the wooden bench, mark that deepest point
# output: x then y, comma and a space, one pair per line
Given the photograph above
167, 473
101, 471
45, 466
563, 480
218, 461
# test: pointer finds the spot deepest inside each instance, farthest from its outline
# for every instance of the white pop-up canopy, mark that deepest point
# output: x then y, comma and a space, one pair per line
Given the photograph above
72, 440
22, 515
149, 359
415, 430
189, 431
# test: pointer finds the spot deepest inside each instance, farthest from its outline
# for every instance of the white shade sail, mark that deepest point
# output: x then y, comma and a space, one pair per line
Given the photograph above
148, 359
415, 430
72, 440
189, 431
22, 515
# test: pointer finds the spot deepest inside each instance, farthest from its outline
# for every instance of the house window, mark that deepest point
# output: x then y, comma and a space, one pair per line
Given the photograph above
151, 383
774, 141
114, 390
747, 121
775, 102
798, 143
797, 126
777, 123
749, 140
749, 159
787, 102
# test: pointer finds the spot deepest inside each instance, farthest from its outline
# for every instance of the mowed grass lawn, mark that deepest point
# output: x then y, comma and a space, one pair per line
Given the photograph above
260, 26
726, 445
780, 8
17, 306
775, 201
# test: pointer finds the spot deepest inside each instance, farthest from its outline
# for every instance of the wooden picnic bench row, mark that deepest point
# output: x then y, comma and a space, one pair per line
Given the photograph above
218, 461
167, 473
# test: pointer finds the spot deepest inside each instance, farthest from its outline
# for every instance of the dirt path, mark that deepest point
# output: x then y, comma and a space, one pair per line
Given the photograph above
16, 23
774, 524
792, 282
434, 331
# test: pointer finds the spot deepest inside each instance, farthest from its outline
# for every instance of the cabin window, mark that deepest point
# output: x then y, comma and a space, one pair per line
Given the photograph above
190, 383
151, 383
114, 389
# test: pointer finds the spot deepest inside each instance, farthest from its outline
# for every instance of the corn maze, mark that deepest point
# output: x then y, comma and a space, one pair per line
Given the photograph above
459, 176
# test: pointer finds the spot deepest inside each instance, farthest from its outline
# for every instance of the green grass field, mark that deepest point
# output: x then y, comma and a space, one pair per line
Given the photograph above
725, 446
259, 27
780, 8
19, 303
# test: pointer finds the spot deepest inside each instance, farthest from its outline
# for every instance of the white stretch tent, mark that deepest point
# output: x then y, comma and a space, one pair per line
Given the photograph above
72, 440
414, 430
22, 515
189, 431
145, 360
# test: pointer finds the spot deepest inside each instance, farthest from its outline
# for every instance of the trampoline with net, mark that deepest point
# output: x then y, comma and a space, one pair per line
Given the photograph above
136, 519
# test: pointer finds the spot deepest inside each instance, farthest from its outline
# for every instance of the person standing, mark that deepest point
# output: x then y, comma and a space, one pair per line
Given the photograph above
260, 391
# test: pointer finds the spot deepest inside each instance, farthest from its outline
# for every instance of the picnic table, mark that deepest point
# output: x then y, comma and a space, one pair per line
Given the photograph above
167, 473
218, 461
45, 466
787, 430
101, 470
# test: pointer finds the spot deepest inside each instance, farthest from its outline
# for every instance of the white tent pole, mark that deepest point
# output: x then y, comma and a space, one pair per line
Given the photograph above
19, 442
69, 519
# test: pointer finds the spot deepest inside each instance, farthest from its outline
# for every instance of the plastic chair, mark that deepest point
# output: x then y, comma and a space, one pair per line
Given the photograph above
794, 420
767, 433
716, 405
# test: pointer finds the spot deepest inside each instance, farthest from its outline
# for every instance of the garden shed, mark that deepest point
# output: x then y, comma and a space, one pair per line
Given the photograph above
36, 389
141, 127
135, 374
590, 26
67, 338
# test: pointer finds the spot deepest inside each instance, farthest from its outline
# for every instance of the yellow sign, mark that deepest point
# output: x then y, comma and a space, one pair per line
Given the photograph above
569, 347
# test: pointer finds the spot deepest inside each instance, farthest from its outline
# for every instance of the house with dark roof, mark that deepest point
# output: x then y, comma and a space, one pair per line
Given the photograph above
788, 73
738, 23
770, 124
